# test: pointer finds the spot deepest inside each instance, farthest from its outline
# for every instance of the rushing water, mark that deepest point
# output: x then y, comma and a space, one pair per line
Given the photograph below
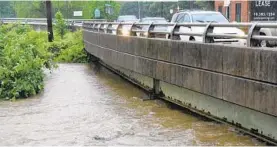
87, 105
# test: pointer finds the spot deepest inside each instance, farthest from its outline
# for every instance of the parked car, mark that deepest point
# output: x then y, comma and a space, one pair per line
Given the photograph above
127, 18
205, 17
153, 19
126, 28
157, 28
267, 32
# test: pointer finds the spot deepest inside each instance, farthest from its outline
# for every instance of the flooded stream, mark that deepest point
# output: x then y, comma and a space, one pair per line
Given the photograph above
85, 105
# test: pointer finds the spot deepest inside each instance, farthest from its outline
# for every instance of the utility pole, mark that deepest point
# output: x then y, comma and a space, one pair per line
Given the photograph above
67, 14
178, 8
49, 20
190, 5
138, 10
162, 11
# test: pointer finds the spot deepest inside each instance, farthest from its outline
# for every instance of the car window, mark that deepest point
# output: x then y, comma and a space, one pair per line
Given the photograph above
180, 18
209, 17
186, 18
127, 18
155, 20
174, 18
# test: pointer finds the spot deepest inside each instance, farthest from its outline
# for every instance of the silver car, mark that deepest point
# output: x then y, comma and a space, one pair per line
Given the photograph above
267, 32
156, 28
127, 18
126, 28
206, 17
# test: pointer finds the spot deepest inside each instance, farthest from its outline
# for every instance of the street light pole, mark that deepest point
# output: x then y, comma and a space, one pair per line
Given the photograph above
49, 20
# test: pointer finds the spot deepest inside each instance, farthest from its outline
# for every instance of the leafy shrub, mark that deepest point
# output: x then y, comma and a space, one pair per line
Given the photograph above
60, 25
68, 46
23, 55
71, 48
57, 45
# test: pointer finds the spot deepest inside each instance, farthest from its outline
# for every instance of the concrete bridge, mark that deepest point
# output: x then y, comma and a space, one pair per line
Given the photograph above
235, 85
231, 84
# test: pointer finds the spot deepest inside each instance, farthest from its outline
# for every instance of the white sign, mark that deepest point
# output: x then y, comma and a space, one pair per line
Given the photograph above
97, 13
171, 11
78, 13
227, 3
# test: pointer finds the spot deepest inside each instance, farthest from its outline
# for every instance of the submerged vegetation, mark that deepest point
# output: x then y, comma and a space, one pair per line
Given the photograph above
26, 53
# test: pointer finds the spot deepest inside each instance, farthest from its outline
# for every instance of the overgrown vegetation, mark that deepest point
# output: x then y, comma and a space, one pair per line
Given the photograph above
25, 53
69, 49
60, 26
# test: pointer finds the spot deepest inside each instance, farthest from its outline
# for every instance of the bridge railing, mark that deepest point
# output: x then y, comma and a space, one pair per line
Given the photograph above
44, 20
252, 37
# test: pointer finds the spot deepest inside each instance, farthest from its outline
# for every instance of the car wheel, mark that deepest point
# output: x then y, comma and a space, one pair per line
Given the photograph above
191, 39
263, 43
175, 37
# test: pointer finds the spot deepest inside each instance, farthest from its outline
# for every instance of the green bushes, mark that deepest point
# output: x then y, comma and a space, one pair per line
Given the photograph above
70, 48
60, 26
23, 55
67, 46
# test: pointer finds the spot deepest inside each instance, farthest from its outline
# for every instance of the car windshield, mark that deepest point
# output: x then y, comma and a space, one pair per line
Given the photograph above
156, 20
209, 17
126, 18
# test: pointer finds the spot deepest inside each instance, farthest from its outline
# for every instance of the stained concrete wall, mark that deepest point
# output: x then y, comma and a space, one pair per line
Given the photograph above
240, 75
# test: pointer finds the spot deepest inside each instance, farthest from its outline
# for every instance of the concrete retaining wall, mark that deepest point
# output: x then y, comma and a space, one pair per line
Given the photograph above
243, 76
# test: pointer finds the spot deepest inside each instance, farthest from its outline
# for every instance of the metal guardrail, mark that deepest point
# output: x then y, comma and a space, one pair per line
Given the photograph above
252, 38
44, 20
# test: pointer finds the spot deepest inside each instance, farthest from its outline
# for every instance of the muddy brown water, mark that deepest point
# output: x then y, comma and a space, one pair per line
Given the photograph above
88, 105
